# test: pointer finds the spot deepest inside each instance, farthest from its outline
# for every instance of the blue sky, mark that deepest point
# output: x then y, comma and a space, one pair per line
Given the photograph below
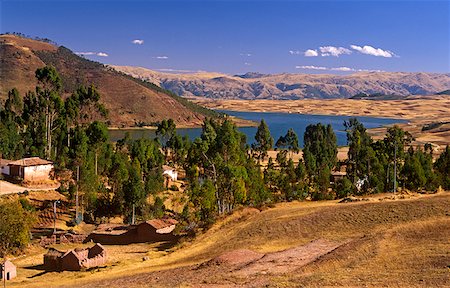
240, 36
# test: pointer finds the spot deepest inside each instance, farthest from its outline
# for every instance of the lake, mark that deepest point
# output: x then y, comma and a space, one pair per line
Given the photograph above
278, 124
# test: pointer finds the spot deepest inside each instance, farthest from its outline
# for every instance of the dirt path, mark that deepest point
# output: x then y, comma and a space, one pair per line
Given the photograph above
9, 188
288, 260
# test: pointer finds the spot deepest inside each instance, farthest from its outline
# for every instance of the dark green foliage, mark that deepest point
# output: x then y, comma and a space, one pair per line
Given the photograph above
288, 141
204, 199
134, 192
264, 140
362, 162
417, 172
15, 225
320, 155
442, 167
344, 187
158, 208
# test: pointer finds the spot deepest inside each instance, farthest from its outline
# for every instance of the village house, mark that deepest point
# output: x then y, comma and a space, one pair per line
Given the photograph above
170, 172
28, 169
8, 270
75, 259
148, 231
337, 175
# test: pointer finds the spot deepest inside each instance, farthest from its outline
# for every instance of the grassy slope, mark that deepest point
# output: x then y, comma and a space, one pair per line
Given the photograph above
402, 242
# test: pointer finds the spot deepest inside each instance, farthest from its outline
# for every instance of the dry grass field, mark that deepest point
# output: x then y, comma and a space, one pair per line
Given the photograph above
387, 240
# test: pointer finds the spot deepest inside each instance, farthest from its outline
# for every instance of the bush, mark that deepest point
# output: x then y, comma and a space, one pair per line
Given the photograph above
26, 204
15, 225
343, 188
174, 188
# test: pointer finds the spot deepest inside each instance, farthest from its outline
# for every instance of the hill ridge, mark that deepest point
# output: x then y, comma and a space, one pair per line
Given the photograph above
286, 86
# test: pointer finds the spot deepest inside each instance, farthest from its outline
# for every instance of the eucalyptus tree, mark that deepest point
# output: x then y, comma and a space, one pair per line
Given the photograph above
320, 154
263, 140
442, 167
49, 86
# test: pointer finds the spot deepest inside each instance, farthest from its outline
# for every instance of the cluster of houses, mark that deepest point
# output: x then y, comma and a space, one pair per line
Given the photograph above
30, 169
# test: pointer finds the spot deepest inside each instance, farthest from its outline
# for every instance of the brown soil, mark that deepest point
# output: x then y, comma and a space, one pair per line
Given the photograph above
234, 258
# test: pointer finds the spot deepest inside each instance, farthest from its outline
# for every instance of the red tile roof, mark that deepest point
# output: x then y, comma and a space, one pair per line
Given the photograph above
33, 161
4, 162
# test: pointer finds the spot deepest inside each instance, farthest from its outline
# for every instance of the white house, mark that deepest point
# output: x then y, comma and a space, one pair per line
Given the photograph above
7, 270
170, 172
31, 169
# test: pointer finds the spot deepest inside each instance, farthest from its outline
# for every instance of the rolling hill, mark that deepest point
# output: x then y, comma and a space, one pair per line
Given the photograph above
292, 86
129, 101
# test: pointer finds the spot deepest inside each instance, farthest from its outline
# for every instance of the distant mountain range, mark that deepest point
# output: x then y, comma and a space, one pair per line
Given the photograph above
293, 86
130, 101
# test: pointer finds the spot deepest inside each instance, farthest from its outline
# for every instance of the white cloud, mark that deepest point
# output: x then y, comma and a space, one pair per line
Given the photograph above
138, 41
161, 57
312, 67
246, 54
247, 64
340, 69
294, 52
85, 53
369, 50
311, 53
333, 51
101, 54
178, 70
345, 69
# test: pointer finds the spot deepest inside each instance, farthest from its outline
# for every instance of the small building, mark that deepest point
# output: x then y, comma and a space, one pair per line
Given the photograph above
75, 259
170, 172
31, 169
337, 175
148, 231
4, 168
8, 270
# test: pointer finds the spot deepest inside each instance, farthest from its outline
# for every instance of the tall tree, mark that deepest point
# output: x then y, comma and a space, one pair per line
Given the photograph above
97, 132
264, 141
320, 153
442, 166
362, 162
48, 90
134, 192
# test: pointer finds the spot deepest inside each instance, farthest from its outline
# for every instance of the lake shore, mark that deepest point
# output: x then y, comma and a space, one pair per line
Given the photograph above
418, 112
237, 121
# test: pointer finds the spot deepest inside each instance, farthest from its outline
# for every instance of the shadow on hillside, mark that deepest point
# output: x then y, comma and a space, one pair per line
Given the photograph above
37, 267
163, 246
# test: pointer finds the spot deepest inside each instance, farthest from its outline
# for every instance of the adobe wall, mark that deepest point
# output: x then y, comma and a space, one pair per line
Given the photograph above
37, 173
131, 236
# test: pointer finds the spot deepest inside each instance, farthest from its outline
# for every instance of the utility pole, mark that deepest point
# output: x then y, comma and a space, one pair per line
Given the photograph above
76, 198
54, 211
